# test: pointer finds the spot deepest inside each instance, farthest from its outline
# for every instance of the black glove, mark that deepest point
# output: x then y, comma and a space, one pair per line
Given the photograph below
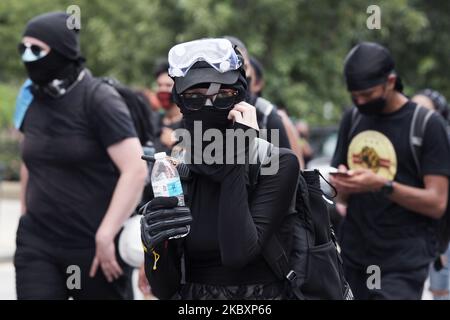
162, 220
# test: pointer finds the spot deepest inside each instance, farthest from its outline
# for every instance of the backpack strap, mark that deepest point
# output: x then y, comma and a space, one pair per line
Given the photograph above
419, 123
355, 120
266, 108
278, 261
89, 96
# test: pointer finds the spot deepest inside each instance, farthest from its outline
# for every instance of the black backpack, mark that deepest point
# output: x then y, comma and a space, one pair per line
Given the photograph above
416, 134
312, 264
138, 107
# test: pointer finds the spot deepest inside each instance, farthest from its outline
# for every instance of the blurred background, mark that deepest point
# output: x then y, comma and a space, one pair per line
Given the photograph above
301, 44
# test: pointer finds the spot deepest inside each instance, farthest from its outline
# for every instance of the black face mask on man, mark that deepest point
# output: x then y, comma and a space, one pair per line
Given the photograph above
374, 107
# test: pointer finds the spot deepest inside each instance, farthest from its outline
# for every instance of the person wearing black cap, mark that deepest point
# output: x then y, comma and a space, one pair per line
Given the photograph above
82, 173
229, 229
393, 204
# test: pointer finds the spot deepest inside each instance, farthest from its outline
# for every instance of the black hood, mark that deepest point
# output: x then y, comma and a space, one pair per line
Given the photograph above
52, 29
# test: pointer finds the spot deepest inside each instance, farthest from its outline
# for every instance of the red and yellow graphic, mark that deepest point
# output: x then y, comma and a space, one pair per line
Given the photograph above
373, 150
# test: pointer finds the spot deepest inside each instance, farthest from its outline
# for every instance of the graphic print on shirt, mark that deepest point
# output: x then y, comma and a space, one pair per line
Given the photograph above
373, 150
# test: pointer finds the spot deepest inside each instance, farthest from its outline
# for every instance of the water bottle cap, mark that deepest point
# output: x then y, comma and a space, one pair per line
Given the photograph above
160, 155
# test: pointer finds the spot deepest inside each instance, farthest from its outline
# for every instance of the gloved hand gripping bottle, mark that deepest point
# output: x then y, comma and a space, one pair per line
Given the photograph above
166, 181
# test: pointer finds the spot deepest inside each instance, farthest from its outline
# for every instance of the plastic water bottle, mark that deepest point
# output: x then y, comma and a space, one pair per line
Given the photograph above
165, 179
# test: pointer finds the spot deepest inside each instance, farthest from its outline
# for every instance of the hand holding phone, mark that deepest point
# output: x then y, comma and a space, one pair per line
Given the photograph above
340, 174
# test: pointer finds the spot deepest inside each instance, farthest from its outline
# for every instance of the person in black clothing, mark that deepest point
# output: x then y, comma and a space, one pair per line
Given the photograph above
392, 208
266, 112
256, 87
258, 83
229, 226
82, 173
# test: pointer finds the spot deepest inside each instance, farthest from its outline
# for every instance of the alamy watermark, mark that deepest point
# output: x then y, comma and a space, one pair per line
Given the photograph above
73, 281
374, 20
374, 280
74, 20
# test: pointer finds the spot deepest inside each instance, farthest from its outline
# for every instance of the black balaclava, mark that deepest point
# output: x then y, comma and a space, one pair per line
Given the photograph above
210, 117
367, 65
64, 60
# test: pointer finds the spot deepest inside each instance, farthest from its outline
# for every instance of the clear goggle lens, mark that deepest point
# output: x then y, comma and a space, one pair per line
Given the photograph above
218, 53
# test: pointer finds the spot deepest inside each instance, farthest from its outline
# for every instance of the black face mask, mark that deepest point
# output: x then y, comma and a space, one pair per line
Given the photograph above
52, 66
210, 119
374, 107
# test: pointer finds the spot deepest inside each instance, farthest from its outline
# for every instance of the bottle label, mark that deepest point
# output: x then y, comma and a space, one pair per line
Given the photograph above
169, 188
174, 188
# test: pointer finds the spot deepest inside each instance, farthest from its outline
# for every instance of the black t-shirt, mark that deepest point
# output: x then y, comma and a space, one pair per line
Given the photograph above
71, 177
376, 230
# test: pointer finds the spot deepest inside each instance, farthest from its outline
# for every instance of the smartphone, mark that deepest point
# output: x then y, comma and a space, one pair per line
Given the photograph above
339, 174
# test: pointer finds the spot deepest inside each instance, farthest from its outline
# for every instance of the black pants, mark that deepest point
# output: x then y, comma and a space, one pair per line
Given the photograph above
405, 285
44, 272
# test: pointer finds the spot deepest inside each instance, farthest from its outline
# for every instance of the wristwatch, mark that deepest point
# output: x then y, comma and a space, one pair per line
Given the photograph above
388, 188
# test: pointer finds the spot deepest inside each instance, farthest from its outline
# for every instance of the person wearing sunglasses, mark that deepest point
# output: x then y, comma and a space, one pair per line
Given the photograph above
229, 224
81, 175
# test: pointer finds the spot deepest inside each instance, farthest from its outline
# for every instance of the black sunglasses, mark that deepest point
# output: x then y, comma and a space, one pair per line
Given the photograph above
222, 100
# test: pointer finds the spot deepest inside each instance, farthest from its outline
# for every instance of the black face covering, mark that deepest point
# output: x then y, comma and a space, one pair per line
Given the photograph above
64, 62
52, 66
372, 108
210, 119
52, 29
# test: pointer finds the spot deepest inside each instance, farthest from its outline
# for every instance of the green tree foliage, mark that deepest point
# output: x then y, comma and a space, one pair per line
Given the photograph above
301, 43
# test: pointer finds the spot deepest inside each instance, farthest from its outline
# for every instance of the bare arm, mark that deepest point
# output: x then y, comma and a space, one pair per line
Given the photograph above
126, 155
133, 171
430, 201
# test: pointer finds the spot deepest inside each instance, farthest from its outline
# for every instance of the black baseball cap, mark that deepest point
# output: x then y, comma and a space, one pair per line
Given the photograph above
202, 72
